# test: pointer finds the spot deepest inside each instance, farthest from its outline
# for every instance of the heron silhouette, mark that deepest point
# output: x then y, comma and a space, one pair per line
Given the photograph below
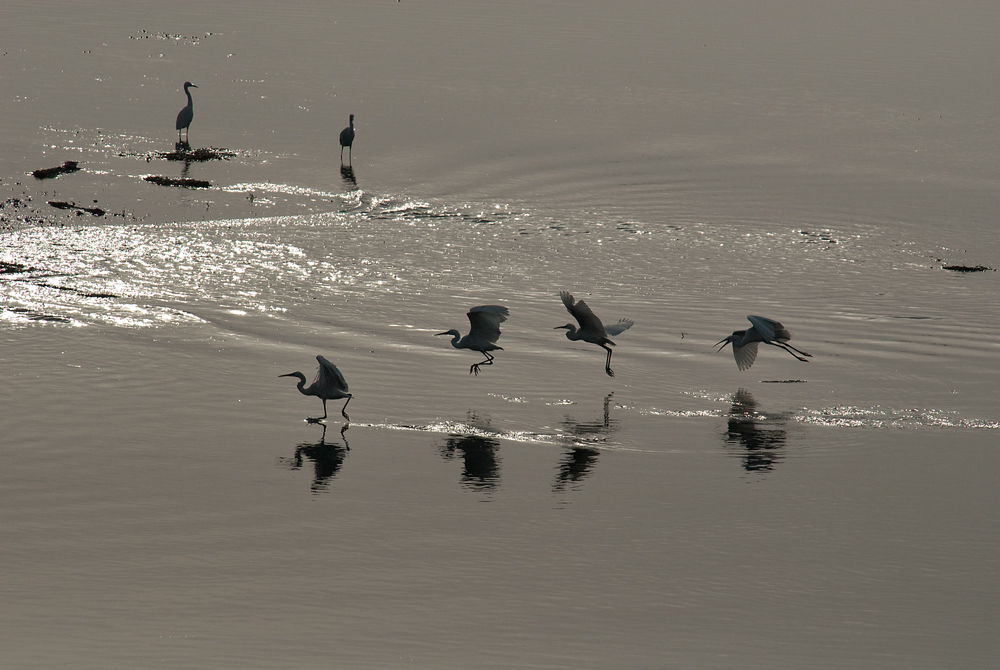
185, 115
328, 385
347, 140
591, 329
485, 323
763, 330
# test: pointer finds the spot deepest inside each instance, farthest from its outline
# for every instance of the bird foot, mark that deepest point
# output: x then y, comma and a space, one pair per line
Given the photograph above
474, 370
611, 373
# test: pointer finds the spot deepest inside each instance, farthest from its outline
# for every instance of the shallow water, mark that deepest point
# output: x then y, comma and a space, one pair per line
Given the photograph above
166, 504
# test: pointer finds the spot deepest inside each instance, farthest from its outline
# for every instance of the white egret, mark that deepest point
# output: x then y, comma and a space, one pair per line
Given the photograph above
347, 140
329, 385
185, 115
591, 329
485, 321
764, 330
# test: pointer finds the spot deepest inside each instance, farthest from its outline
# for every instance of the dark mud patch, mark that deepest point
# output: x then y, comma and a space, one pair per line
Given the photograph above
968, 268
49, 173
170, 181
783, 381
38, 316
94, 211
13, 268
198, 155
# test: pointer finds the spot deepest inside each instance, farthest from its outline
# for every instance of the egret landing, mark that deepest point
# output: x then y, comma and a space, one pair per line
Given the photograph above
328, 385
591, 329
347, 140
485, 321
763, 330
185, 115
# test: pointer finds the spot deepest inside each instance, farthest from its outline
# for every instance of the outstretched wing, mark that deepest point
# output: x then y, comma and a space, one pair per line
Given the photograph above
745, 355
619, 327
770, 329
329, 377
582, 313
485, 321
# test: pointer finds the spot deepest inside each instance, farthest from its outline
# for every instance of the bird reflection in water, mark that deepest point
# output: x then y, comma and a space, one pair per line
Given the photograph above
758, 443
480, 465
347, 174
327, 459
579, 460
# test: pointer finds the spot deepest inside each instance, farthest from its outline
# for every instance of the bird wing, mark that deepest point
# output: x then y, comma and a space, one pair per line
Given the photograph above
745, 355
582, 313
485, 321
329, 377
770, 329
619, 327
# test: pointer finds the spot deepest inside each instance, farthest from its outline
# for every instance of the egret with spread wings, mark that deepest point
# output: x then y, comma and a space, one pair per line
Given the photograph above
763, 330
591, 329
485, 323
329, 385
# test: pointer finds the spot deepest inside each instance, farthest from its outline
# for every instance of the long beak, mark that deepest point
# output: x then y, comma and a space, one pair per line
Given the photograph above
567, 327
723, 342
290, 374
444, 333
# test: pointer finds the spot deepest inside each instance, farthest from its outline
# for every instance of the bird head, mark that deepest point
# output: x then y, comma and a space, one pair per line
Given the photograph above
452, 332
295, 374
188, 84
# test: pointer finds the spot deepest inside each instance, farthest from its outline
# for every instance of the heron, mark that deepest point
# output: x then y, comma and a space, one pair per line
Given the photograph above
328, 385
347, 140
185, 115
591, 329
485, 323
763, 330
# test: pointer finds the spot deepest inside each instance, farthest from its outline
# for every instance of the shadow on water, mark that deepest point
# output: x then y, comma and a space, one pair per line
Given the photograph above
755, 437
347, 174
327, 459
480, 465
579, 460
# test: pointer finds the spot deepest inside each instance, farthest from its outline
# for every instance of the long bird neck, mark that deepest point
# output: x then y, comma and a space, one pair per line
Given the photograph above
571, 333
456, 337
301, 386
190, 99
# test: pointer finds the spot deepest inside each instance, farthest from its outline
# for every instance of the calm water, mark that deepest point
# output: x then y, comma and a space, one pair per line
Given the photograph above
166, 506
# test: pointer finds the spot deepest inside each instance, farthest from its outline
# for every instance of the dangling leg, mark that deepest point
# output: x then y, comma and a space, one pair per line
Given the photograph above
343, 410
790, 349
607, 365
488, 361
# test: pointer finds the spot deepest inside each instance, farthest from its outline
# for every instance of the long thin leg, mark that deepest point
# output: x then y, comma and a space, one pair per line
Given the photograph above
790, 348
343, 410
607, 365
488, 361
319, 418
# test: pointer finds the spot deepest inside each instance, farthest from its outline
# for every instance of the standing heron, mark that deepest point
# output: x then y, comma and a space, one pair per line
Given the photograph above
485, 321
185, 115
329, 385
347, 140
591, 329
764, 330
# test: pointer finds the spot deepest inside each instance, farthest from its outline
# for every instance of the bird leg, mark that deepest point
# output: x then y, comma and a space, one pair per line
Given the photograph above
475, 367
792, 350
319, 418
344, 408
607, 365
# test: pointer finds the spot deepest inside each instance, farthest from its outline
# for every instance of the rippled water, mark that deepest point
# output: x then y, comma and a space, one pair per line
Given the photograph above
166, 504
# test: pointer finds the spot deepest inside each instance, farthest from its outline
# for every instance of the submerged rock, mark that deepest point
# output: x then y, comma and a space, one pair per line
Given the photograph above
58, 204
184, 153
49, 173
968, 268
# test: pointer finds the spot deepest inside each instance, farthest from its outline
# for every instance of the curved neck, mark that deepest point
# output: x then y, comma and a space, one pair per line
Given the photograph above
190, 99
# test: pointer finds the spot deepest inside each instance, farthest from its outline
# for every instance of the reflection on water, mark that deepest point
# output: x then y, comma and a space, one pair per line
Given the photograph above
347, 174
480, 465
327, 459
578, 462
755, 443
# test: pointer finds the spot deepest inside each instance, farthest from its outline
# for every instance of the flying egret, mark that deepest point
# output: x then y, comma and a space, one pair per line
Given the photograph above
347, 140
764, 330
329, 385
185, 115
485, 320
591, 329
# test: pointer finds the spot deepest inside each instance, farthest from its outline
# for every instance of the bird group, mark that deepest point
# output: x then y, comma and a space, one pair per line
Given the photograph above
484, 331
186, 115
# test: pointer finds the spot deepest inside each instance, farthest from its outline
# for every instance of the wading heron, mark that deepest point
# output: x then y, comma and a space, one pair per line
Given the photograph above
485, 323
185, 115
591, 329
347, 140
764, 330
329, 385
